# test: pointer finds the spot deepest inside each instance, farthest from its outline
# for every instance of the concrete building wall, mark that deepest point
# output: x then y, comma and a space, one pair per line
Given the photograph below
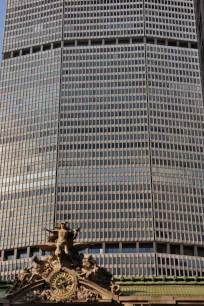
101, 120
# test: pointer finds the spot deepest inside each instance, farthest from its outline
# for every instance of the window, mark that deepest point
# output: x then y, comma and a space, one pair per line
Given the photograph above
174, 249
201, 252
22, 253
188, 250
146, 248
129, 248
9, 255
34, 252
96, 249
161, 248
45, 253
112, 248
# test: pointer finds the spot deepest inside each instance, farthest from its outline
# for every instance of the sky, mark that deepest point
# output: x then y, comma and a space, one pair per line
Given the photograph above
2, 13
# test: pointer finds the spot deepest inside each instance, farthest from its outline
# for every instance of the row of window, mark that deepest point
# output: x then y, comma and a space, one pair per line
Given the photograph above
105, 197
115, 248
99, 188
114, 188
59, 44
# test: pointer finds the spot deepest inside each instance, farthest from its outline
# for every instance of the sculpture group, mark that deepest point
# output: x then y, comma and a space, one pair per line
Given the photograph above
65, 275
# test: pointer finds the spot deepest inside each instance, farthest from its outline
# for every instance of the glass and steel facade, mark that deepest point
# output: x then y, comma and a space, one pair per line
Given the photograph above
199, 11
102, 126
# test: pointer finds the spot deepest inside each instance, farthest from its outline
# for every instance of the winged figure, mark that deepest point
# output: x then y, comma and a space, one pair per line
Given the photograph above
62, 242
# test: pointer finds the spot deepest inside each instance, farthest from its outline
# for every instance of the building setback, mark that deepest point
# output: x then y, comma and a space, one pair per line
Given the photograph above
199, 9
101, 125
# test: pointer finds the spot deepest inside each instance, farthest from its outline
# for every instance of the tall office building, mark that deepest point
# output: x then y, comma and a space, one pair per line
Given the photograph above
102, 125
199, 10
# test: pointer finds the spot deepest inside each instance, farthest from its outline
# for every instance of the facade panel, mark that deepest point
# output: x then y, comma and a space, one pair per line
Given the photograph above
31, 23
176, 125
29, 127
103, 19
104, 161
174, 20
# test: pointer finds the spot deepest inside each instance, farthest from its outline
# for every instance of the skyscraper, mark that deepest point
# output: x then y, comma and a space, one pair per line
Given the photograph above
101, 124
199, 10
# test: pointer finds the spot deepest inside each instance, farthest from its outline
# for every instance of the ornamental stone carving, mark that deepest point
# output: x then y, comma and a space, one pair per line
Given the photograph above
65, 275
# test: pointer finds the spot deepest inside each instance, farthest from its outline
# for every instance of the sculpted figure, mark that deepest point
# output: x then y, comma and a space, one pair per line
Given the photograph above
25, 275
52, 260
64, 242
89, 267
37, 269
65, 274
91, 271
54, 236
